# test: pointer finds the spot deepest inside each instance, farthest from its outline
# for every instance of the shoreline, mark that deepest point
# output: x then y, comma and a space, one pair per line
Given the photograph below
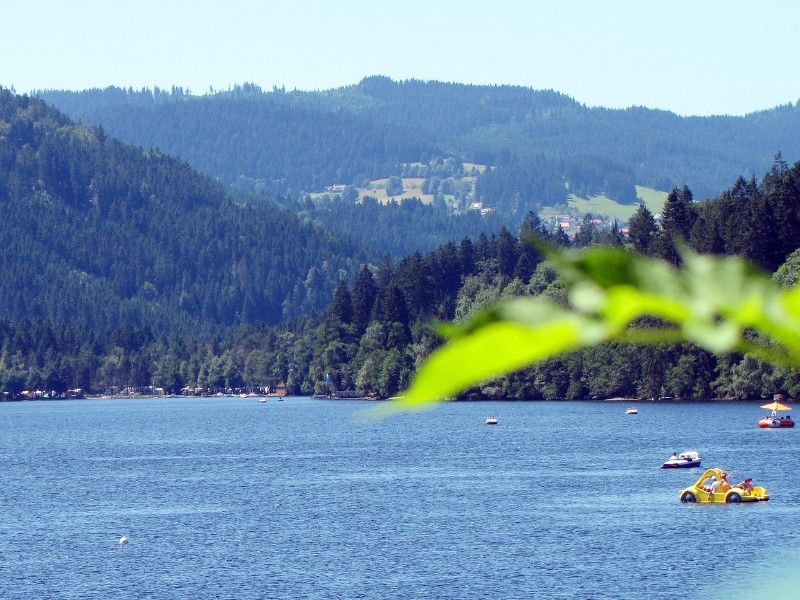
617, 399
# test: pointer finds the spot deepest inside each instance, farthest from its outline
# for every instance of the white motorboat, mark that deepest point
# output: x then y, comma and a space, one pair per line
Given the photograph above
632, 411
684, 460
491, 420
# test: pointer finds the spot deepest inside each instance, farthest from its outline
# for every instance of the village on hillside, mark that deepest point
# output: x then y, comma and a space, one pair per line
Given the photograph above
604, 211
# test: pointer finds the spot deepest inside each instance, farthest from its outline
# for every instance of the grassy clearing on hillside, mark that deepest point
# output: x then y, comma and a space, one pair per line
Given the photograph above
653, 199
469, 166
551, 213
412, 188
599, 206
602, 206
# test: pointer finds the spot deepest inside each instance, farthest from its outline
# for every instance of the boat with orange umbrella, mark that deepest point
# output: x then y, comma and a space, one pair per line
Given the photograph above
772, 421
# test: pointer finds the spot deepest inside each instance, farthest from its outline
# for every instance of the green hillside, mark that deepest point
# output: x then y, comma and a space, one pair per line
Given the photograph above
99, 232
536, 144
603, 206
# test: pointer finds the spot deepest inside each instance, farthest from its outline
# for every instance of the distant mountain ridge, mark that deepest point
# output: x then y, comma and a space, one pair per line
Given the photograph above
297, 142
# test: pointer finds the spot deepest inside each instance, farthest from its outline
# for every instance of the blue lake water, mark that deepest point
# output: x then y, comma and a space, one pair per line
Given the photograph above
229, 498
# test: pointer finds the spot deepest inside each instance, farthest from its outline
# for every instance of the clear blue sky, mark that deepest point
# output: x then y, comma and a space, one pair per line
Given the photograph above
688, 56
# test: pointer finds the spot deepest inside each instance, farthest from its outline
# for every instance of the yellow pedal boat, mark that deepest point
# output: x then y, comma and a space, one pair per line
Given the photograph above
705, 492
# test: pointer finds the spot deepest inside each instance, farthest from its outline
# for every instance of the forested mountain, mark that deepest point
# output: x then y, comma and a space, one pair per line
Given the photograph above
125, 267
104, 234
377, 329
541, 145
377, 354
396, 228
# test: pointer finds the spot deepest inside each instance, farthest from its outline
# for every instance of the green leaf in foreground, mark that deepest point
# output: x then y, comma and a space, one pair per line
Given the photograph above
711, 302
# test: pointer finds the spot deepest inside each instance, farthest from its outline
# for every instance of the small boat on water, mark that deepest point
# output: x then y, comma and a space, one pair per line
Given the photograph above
713, 487
772, 421
491, 420
684, 460
632, 411
262, 400
775, 422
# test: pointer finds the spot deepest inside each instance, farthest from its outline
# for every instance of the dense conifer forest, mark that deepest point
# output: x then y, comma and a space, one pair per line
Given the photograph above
105, 233
540, 145
125, 268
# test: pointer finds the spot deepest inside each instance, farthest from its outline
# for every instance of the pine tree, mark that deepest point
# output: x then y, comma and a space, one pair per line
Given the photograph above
561, 238
678, 215
587, 234
677, 220
365, 292
394, 313
642, 229
507, 255
339, 318
466, 254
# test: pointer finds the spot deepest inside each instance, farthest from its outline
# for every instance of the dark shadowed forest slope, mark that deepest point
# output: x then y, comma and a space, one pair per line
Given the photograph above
103, 233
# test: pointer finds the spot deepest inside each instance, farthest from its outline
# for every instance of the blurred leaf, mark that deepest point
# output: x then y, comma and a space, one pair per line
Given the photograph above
493, 350
711, 302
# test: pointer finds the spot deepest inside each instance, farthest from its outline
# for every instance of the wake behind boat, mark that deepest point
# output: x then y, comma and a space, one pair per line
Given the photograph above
684, 460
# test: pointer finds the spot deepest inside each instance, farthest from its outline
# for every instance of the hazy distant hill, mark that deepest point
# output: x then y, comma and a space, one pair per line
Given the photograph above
102, 233
542, 144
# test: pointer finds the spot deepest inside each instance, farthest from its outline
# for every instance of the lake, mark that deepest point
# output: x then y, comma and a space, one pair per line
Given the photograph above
229, 498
